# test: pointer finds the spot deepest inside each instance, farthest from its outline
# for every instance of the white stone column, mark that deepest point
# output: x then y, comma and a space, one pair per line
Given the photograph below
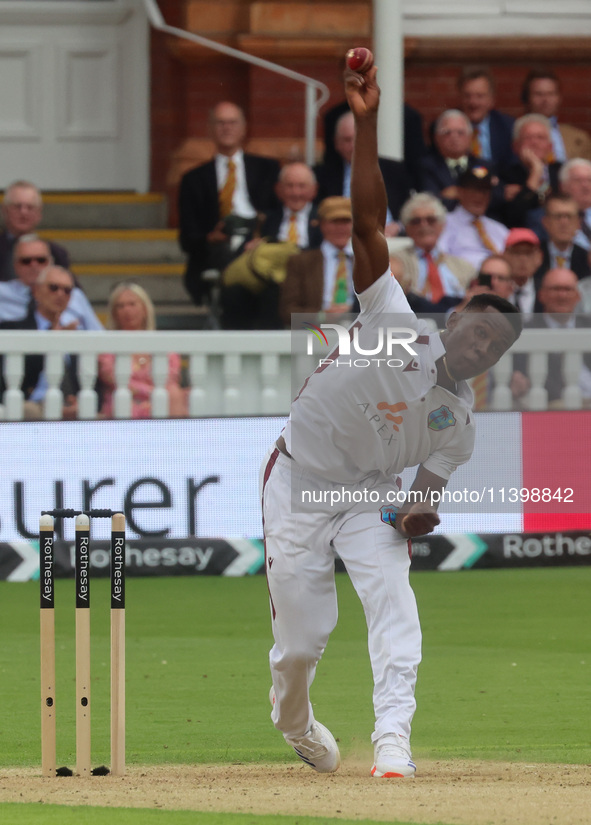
388, 42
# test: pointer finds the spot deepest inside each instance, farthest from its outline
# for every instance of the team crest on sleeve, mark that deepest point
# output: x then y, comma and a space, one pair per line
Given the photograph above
388, 514
441, 419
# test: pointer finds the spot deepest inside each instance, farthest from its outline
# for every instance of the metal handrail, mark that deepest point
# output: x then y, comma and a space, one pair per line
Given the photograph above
317, 93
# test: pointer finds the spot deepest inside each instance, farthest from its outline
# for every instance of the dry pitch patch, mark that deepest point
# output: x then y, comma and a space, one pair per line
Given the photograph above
462, 792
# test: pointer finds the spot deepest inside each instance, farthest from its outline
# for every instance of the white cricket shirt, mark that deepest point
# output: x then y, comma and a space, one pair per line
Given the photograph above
353, 424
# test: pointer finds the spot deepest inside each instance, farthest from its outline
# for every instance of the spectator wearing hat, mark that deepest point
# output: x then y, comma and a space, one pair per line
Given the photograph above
524, 254
469, 234
320, 280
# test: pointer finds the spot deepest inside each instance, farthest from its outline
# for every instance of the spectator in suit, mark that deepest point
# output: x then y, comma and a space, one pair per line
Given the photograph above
575, 180
219, 201
449, 157
558, 296
51, 290
531, 180
31, 255
492, 136
250, 305
561, 222
22, 211
413, 141
334, 176
541, 95
469, 233
523, 252
432, 279
295, 219
322, 279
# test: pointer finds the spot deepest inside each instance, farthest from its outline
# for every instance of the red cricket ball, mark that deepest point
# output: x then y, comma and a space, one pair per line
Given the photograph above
359, 59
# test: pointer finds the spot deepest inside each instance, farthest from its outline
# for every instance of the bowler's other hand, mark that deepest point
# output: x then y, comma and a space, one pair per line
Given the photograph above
420, 519
363, 92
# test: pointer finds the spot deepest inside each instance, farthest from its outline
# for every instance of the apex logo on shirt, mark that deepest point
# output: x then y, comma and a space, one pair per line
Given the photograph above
394, 408
441, 418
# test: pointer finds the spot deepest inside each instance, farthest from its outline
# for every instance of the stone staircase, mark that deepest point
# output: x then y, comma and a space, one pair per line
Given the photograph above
119, 236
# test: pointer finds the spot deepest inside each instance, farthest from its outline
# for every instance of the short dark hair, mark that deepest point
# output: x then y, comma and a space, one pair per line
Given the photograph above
559, 197
478, 303
536, 74
474, 73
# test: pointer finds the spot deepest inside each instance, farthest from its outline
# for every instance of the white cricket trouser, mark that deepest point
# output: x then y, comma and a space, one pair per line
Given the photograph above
300, 555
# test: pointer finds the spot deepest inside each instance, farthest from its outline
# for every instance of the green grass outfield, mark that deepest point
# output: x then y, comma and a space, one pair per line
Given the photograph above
506, 670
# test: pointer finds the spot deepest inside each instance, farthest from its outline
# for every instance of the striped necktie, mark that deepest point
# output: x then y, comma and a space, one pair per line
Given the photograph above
340, 293
226, 194
561, 261
292, 232
484, 236
480, 390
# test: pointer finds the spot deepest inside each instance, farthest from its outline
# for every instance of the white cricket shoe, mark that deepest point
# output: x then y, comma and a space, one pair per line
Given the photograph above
317, 747
392, 757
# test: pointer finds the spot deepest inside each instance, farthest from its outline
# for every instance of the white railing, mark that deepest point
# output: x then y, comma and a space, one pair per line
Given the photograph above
317, 93
235, 373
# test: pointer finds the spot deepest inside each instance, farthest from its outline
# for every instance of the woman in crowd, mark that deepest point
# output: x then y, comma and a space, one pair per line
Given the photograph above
131, 308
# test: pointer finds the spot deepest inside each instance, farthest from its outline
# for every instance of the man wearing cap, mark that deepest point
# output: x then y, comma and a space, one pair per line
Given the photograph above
321, 279
523, 252
469, 234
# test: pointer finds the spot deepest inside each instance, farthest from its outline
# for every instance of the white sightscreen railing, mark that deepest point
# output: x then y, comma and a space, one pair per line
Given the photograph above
237, 373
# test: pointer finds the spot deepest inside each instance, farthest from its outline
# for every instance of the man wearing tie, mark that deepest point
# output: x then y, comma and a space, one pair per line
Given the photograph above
469, 234
334, 176
296, 219
523, 252
492, 137
321, 279
219, 201
433, 280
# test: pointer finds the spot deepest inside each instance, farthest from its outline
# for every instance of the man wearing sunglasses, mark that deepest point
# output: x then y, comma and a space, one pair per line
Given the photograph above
52, 292
433, 281
22, 210
31, 256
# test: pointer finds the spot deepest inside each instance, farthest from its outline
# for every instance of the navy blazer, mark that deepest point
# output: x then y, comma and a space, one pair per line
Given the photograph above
414, 143
396, 179
199, 210
437, 176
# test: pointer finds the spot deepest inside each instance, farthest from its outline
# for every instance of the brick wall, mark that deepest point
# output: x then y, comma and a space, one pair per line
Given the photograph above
188, 80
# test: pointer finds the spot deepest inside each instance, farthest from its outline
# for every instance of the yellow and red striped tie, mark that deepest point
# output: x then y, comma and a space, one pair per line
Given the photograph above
480, 390
226, 195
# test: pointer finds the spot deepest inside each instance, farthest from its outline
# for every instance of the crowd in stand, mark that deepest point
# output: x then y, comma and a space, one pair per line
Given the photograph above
486, 203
